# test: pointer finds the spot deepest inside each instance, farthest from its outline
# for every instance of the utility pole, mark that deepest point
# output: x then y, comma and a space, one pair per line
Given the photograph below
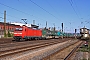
54, 30
62, 30
62, 27
46, 24
4, 23
33, 22
75, 32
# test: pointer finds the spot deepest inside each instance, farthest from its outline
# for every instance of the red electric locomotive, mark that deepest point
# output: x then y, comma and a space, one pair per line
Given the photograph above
27, 33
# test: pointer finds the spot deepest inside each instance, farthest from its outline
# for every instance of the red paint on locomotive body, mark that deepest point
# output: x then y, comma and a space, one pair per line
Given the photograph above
29, 32
19, 32
26, 32
33, 32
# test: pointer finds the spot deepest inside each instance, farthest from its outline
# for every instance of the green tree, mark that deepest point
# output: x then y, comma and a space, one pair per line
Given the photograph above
9, 34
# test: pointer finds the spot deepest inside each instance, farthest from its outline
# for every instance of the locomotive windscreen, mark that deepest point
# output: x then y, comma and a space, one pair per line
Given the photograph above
18, 29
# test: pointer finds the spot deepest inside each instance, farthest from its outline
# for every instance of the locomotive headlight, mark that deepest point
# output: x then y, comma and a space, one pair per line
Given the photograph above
86, 35
17, 33
20, 33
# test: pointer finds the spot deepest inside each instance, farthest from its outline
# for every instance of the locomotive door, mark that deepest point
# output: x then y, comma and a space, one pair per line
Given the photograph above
24, 32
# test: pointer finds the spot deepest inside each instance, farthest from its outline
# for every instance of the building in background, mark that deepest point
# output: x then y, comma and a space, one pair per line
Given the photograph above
9, 27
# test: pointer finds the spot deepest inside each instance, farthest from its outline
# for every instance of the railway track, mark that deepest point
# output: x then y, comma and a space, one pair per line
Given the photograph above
11, 40
7, 52
65, 53
70, 55
6, 40
26, 43
11, 49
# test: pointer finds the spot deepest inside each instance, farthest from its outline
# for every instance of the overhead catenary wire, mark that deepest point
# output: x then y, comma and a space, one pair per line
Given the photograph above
71, 3
15, 9
10, 16
18, 10
27, 13
79, 14
28, 6
44, 9
79, 11
52, 7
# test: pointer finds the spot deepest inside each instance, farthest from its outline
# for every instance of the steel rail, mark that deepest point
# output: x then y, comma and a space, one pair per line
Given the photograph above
18, 50
73, 51
50, 56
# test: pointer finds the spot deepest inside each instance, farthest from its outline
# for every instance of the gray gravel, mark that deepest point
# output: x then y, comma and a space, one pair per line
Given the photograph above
40, 53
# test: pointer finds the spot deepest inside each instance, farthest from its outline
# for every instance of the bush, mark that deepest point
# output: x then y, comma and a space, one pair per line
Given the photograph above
9, 34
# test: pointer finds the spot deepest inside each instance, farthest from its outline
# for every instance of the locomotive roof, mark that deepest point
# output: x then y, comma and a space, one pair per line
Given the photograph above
34, 26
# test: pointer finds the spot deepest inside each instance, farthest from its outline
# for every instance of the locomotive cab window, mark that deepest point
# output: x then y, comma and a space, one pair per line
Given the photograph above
18, 29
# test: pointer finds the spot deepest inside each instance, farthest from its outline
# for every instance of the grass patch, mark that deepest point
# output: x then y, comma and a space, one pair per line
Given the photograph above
84, 59
84, 48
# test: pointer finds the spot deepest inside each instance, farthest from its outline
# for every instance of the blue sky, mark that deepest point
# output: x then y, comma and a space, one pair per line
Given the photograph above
73, 13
